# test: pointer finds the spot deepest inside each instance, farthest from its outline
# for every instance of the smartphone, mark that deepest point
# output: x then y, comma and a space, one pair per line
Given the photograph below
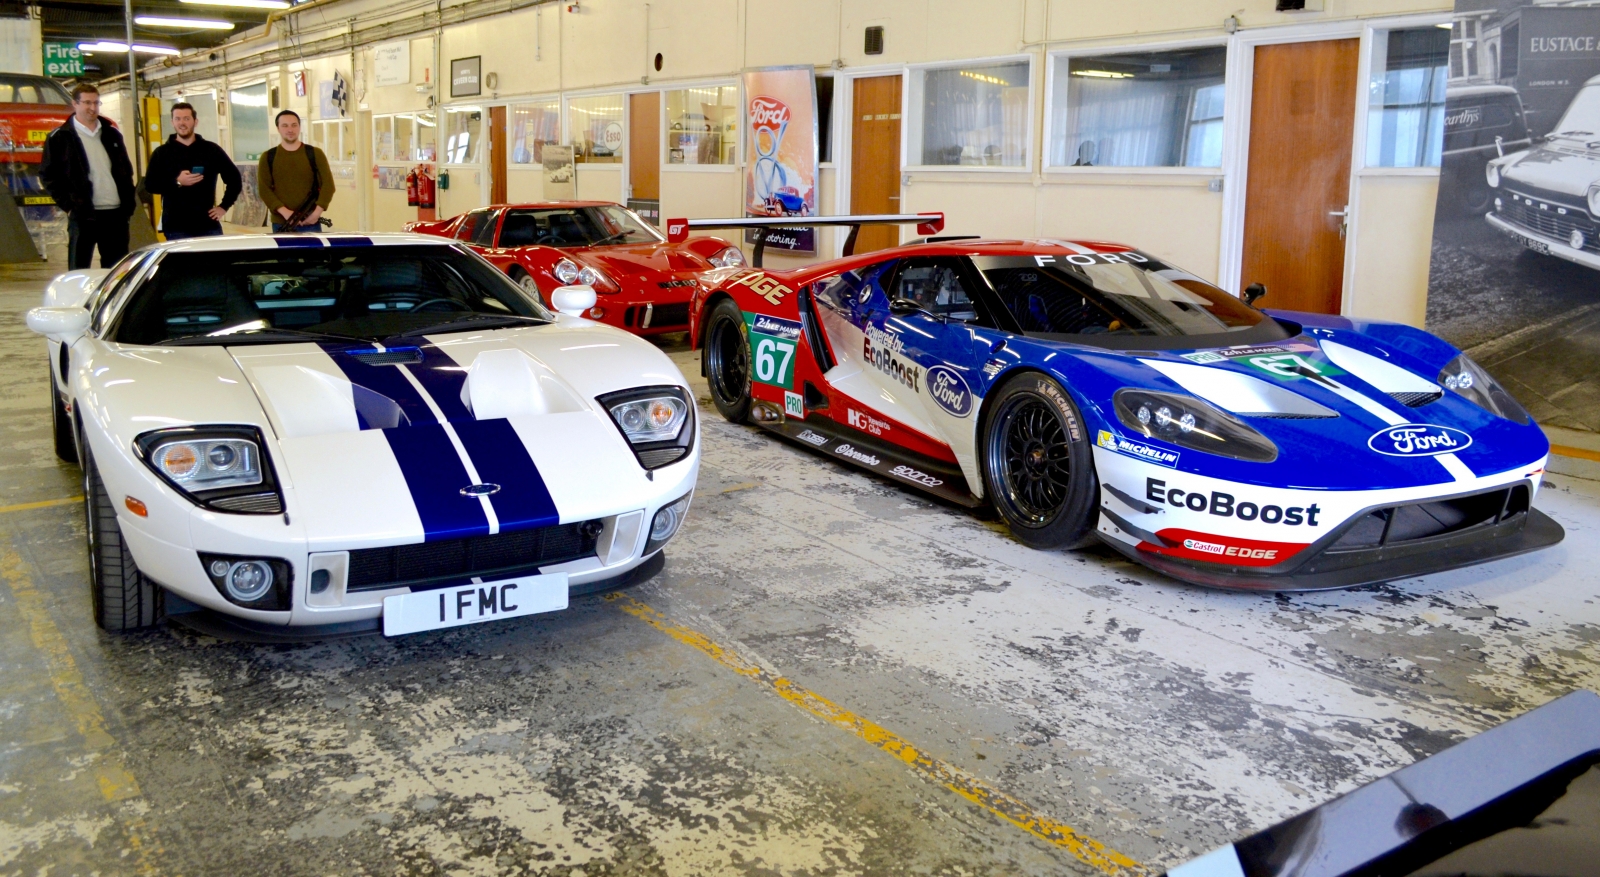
198, 169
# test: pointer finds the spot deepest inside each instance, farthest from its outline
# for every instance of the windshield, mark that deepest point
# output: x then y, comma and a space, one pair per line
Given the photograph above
576, 227
1106, 298
1582, 118
32, 90
364, 292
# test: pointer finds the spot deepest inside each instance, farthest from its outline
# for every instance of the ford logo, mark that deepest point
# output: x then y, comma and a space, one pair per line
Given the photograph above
949, 390
1418, 440
484, 489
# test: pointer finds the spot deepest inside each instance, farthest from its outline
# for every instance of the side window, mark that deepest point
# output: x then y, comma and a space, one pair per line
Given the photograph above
936, 286
469, 225
113, 284
841, 293
483, 236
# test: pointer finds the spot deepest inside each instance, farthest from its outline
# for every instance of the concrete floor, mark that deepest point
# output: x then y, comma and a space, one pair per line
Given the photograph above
831, 676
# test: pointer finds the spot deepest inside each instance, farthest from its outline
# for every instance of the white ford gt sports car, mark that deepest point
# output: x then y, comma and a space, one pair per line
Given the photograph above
302, 435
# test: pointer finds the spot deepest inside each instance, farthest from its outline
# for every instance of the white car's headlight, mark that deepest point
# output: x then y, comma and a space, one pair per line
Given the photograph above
220, 467
658, 422
729, 257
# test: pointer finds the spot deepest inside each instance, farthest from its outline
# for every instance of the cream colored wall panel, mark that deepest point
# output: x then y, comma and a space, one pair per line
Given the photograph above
1180, 222
521, 49
602, 44
995, 208
466, 192
1095, 19
963, 29
389, 210
905, 30
524, 186
700, 38
775, 36
600, 182
1394, 238
698, 195
400, 98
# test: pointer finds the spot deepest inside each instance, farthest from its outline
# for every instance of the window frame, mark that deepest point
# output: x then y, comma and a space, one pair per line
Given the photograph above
741, 121
511, 105
912, 115
622, 92
372, 133
1375, 32
441, 152
1054, 60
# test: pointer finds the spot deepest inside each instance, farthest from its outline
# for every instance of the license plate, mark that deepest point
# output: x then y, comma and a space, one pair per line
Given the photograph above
1536, 246
474, 603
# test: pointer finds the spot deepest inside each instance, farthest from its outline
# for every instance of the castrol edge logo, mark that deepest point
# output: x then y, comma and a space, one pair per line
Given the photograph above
768, 114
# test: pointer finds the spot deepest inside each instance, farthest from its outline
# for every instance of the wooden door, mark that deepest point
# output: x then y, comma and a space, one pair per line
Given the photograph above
644, 146
875, 158
497, 155
1302, 116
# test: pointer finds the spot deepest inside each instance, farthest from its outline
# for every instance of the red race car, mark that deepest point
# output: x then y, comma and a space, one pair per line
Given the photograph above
643, 282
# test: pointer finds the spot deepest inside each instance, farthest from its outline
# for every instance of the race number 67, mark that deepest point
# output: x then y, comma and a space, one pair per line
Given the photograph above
773, 360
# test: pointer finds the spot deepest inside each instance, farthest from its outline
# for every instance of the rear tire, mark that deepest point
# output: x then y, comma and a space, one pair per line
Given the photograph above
1038, 467
727, 353
61, 422
124, 599
529, 285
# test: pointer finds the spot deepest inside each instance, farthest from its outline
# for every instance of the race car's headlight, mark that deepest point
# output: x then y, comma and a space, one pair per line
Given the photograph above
1189, 422
567, 271
666, 523
658, 422
570, 272
220, 467
729, 257
1470, 380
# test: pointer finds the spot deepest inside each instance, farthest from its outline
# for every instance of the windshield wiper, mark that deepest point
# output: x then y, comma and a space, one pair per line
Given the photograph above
262, 334
479, 318
610, 237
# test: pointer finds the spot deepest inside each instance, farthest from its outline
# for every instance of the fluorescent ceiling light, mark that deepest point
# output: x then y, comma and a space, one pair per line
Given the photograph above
242, 4
186, 23
1102, 74
1447, 25
984, 77
109, 46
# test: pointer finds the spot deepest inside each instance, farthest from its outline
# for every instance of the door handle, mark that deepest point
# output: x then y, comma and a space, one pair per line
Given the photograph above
1344, 220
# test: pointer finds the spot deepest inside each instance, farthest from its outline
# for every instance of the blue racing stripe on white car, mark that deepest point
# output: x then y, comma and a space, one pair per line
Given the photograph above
435, 476
296, 240
501, 459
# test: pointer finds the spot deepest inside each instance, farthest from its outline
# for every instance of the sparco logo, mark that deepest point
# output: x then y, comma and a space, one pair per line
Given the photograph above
949, 391
858, 456
1418, 440
918, 476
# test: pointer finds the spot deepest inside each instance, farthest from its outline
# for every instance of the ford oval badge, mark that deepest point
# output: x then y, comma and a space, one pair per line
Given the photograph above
1418, 440
484, 489
949, 390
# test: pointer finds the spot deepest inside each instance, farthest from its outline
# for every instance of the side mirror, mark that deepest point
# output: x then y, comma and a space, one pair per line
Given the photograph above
572, 300
901, 307
63, 325
1254, 292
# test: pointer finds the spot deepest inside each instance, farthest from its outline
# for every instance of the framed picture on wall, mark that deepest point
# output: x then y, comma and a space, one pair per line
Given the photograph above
466, 76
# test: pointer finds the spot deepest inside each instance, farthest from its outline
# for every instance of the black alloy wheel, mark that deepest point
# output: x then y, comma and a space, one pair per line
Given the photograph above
123, 598
727, 353
1038, 466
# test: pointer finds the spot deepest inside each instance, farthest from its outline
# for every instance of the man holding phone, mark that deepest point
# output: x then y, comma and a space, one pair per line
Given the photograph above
184, 172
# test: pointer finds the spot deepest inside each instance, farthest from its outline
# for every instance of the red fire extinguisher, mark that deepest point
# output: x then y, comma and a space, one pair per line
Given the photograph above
411, 188
425, 189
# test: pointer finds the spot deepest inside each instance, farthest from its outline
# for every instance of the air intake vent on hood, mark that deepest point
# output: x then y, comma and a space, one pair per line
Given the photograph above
403, 356
1416, 400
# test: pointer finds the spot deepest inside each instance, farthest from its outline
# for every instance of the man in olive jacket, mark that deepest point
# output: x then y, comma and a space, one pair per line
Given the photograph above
293, 179
87, 171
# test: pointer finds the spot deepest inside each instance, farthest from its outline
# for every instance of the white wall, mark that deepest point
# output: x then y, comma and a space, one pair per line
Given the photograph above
21, 49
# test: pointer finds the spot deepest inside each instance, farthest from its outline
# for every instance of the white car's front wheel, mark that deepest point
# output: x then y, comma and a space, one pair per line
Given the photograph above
123, 598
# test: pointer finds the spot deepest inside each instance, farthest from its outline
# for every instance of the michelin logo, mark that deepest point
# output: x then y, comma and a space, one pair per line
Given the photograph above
1137, 449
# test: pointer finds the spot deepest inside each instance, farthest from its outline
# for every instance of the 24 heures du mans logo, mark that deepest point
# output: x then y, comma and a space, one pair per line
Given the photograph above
1418, 440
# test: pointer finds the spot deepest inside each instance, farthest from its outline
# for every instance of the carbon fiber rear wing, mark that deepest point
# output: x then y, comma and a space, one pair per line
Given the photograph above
926, 223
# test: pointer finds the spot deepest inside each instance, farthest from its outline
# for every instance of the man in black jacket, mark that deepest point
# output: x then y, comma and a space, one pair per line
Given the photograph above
184, 171
87, 171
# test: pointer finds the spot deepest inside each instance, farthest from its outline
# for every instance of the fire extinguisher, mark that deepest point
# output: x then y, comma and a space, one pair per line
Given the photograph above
411, 188
425, 189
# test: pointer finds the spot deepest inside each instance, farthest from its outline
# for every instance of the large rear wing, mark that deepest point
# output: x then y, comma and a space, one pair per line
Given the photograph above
926, 223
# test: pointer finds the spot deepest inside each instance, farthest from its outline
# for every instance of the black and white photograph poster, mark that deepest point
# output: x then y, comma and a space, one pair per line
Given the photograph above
1515, 276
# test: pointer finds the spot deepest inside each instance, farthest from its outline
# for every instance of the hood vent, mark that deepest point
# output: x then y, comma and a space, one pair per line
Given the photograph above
402, 356
1406, 387
1417, 399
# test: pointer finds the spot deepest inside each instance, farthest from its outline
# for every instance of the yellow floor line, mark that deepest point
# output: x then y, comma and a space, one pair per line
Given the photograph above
1087, 849
41, 504
1579, 453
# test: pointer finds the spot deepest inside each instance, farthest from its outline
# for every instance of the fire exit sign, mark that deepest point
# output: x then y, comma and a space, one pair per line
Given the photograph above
62, 59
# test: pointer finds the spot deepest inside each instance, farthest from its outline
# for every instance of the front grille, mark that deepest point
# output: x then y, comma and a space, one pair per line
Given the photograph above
1409, 523
661, 316
1523, 211
426, 563
1416, 400
253, 503
660, 457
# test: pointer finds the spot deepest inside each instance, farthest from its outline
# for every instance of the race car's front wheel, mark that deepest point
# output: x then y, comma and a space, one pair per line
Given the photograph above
123, 598
727, 353
1038, 467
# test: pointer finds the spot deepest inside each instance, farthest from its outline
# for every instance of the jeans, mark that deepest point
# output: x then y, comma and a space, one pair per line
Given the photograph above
180, 235
280, 228
106, 229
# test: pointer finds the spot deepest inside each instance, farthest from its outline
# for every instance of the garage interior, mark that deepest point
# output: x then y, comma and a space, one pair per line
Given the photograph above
830, 673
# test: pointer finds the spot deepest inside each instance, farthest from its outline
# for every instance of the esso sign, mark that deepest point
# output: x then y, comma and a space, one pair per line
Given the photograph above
613, 136
768, 114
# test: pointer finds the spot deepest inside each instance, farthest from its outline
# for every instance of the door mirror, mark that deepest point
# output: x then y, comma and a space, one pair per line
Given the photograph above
63, 325
572, 300
901, 307
1254, 292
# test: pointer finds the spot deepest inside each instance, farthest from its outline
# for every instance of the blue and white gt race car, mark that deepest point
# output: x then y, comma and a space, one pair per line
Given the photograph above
1094, 392
306, 434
